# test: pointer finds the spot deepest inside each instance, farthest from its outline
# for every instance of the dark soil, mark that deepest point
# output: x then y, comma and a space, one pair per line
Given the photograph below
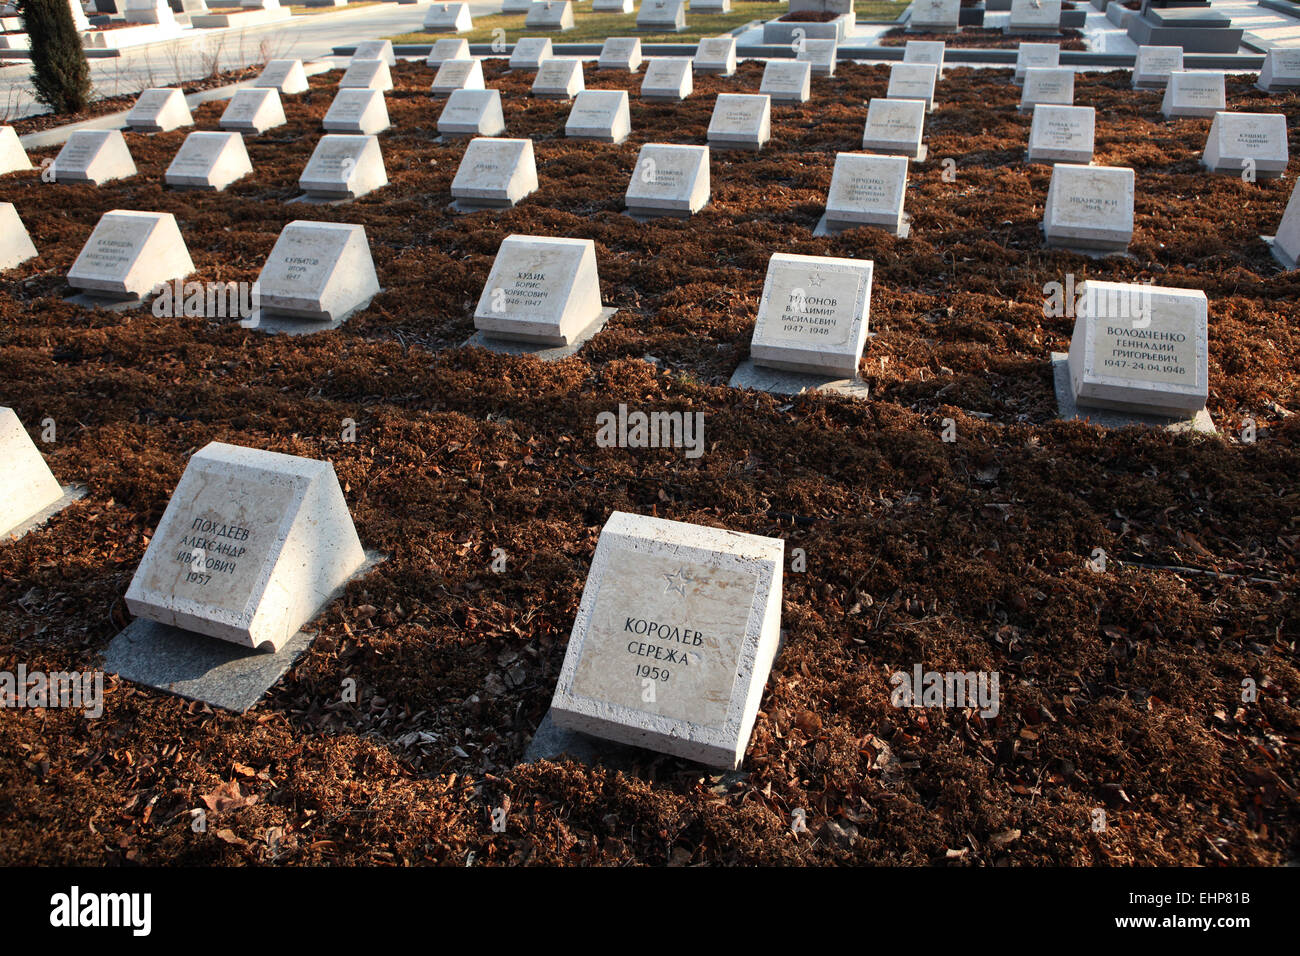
810, 16
980, 39
1121, 690
115, 104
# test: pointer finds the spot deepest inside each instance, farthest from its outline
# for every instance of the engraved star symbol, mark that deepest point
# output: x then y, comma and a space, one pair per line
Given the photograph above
815, 279
677, 581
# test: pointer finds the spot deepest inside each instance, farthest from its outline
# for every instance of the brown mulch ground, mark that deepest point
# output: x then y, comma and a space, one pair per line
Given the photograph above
979, 38
1121, 690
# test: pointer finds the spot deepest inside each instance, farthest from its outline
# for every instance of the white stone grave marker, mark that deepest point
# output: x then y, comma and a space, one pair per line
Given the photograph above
1089, 207
669, 181
1062, 134
209, 160
93, 156
895, 127
27, 486
343, 166
159, 110
129, 253
868, 190
559, 78
360, 112
472, 113
541, 290
602, 115
787, 81
253, 110
741, 121
317, 272
667, 78
495, 173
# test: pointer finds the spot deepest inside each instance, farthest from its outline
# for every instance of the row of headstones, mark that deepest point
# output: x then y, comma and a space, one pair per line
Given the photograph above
667, 16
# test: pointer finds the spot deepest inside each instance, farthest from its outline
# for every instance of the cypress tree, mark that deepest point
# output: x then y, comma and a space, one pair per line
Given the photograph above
60, 71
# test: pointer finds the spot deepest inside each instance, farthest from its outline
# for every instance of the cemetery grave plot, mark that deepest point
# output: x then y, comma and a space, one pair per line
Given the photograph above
979, 38
1120, 690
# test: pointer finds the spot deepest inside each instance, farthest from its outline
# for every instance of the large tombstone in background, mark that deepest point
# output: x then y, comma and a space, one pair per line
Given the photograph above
159, 110
1089, 208
1034, 17
1062, 134
867, 190
472, 113
343, 167
934, 16
254, 110
367, 75
448, 18
668, 181
16, 245
1281, 70
601, 115
249, 547
694, 611
358, 112
13, 158
895, 127
318, 273
494, 174
667, 78
285, 76
129, 253
93, 156
620, 53
1153, 64
27, 486
155, 12
1139, 348
813, 315
541, 290
787, 81
740, 121
1194, 93
1253, 141
662, 16
208, 160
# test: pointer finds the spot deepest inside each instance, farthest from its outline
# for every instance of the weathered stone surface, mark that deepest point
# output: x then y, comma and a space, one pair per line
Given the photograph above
667, 78
495, 173
472, 113
129, 253
602, 115
359, 112
343, 167
740, 121
253, 110
1089, 207
669, 181
867, 190
1062, 134
541, 289
1241, 141
27, 486
317, 272
209, 160
1194, 93
159, 111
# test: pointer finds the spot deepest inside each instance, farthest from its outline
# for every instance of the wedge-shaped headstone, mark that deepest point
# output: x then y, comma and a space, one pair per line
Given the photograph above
913, 81
208, 160
867, 190
559, 78
129, 253
15, 244
787, 81
541, 290
451, 48
1247, 141
741, 121
343, 167
249, 548
667, 78
620, 53
550, 15
821, 53
375, 50
529, 53
286, 76
93, 156
669, 181
457, 75
1194, 93
360, 112
1089, 207
1281, 70
1047, 86
612, 6
319, 271
495, 173
1153, 64
472, 113
516, 6
1036, 54
1034, 16
935, 16
1140, 348
1286, 244
895, 127
662, 16
601, 115
813, 315
13, 158
367, 74
253, 110
716, 55
27, 486
448, 18
159, 111
694, 610
1062, 134
926, 51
